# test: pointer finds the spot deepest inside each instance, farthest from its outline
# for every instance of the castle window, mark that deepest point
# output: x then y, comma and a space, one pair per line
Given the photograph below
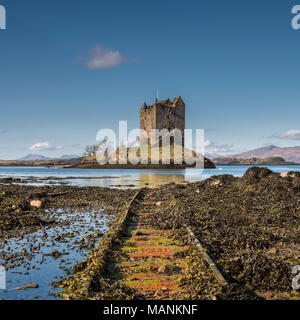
172, 140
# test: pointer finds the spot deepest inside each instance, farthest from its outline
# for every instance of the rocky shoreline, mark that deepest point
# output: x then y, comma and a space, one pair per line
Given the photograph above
271, 161
45, 230
250, 226
19, 216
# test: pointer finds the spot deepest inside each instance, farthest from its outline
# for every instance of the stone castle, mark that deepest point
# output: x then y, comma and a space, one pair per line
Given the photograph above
164, 114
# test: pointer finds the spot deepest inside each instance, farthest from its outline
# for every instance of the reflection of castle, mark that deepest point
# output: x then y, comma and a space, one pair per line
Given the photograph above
163, 115
155, 180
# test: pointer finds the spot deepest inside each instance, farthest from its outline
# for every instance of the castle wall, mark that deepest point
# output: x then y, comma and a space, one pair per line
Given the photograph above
164, 119
180, 117
148, 119
161, 116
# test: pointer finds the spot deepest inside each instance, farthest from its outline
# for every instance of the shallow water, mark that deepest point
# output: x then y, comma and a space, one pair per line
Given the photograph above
123, 178
51, 269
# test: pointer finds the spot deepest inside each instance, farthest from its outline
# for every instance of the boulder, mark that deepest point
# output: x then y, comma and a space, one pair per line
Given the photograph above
291, 174
284, 174
28, 286
254, 174
36, 203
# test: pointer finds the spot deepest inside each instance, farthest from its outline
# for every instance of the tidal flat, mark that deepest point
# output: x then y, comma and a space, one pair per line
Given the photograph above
249, 226
44, 231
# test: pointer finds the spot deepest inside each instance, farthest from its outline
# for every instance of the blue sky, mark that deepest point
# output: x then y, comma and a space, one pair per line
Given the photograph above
70, 68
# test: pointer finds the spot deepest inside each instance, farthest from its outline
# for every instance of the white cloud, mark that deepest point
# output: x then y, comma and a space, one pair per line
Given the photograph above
215, 149
207, 143
291, 135
44, 146
101, 58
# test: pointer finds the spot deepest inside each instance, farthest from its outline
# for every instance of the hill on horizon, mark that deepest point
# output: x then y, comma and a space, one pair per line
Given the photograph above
33, 157
30, 156
290, 154
69, 156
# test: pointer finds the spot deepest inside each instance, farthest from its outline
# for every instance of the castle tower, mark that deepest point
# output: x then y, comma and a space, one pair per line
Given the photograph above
163, 114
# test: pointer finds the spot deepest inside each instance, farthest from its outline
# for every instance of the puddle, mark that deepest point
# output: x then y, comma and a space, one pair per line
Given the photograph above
69, 243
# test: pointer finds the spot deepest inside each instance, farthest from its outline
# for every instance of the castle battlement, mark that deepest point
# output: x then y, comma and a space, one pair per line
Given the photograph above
164, 114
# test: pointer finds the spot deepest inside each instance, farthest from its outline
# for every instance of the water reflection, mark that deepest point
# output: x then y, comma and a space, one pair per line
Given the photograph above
155, 180
122, 178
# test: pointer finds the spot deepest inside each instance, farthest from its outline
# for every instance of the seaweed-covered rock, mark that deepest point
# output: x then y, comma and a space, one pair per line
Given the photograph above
241, 222
260, 272
235, 291
9, 222
254, 174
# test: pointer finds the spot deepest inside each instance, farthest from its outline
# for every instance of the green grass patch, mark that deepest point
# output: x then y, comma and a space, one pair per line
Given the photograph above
129, 249
155, 240
140, 268
136, 283
146, 264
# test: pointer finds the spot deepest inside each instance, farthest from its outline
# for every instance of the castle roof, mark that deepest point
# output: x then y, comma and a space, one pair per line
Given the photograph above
177, 100
166, 103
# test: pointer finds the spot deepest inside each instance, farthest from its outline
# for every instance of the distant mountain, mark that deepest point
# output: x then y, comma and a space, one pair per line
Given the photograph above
69, 156
41, 157
291, 154
33, 157
251, 161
